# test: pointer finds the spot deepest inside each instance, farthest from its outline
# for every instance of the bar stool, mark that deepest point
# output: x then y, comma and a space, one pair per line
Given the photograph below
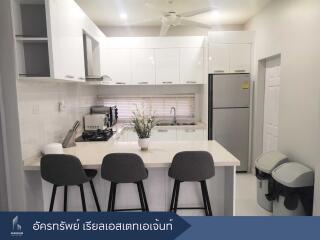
124, 168
191, 166
66, 170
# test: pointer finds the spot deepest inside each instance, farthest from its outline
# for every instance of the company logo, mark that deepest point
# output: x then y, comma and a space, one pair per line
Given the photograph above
16, 227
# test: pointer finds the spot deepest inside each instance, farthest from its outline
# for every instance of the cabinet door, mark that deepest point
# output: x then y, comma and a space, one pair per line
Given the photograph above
167, 66
67, 51
143, 67
240, 58
164, 134
191, 65
190, 134
116, 63
219, 58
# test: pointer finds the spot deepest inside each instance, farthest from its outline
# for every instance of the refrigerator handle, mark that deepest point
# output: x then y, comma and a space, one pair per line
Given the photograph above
210, 107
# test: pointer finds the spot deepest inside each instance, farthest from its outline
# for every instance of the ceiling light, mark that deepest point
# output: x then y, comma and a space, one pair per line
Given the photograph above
216, 13
123, 16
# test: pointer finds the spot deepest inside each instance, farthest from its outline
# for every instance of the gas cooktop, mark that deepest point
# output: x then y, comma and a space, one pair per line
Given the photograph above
95, 136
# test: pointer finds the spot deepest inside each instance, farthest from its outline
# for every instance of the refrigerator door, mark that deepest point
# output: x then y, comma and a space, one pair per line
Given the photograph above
231, 130
231, 90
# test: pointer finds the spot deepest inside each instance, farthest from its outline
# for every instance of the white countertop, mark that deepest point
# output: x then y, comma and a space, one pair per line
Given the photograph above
159, 155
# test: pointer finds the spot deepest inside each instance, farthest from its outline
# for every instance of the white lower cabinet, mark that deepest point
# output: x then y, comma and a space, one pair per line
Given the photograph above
190, 134
164, 134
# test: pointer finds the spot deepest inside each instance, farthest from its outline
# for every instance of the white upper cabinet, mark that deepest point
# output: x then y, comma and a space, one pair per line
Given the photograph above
219, 58
229, 58
116, 63
143, 66
66, 19
167, 66
240, 58
191, 65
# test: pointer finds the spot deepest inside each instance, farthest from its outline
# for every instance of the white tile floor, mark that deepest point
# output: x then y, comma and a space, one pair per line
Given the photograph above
246, 200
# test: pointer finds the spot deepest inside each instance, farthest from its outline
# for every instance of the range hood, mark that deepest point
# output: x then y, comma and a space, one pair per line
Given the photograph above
92, 60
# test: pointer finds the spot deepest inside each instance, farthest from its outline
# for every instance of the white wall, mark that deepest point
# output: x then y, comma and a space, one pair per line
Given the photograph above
40, 119
291, 28
155, 30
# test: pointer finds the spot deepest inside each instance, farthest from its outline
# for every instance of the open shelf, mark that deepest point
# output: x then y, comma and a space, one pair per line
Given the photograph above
30, 25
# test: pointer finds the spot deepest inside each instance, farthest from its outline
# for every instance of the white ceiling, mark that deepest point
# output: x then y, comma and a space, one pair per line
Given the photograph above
107, 12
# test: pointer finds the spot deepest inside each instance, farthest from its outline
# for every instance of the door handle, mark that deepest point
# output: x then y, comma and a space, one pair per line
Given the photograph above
69, 76
120, 83
142, 82
167, 82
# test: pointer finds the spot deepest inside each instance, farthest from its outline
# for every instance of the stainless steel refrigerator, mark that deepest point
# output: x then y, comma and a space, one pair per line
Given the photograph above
229, 114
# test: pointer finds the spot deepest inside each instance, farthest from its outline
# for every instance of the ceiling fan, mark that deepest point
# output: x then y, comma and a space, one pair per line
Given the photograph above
172, 18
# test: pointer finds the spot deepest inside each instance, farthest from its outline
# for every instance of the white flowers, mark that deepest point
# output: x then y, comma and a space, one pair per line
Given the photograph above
143, 123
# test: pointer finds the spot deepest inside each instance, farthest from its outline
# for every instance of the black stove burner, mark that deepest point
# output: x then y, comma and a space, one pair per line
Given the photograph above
99, 135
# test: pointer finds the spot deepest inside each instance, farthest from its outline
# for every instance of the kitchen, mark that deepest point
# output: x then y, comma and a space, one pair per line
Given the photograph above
201, 86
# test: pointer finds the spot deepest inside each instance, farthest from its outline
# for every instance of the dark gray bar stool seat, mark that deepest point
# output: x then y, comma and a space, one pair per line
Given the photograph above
66, 170
124, 168
192, 166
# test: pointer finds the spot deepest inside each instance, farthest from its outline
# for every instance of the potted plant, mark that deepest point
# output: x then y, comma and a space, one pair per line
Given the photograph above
143, 124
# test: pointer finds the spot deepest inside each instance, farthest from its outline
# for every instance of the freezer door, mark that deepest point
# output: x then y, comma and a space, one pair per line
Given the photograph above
231, 130
231, 90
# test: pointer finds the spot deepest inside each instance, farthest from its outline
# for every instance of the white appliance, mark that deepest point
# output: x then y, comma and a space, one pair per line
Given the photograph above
93, 122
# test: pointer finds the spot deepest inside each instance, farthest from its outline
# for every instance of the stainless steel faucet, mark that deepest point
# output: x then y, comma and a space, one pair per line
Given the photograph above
174, 115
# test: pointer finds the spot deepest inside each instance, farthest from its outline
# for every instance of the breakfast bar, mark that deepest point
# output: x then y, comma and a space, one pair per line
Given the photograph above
158, 185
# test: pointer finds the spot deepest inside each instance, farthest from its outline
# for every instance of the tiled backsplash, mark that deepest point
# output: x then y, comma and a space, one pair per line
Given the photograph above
41, 122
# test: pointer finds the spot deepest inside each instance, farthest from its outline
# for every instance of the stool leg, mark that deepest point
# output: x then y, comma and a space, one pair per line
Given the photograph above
114, 197
95, 196
110, 197
176, 197
208, 199
144, 197
204, 197
83, 200
173, 195
53, 195
65, 200
141, 197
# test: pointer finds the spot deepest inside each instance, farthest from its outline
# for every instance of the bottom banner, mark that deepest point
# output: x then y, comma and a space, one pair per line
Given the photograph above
152, 226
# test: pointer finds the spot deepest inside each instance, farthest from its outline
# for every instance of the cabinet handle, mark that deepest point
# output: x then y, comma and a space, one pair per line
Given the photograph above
167, 82
219, 71
191, 82
120, 83
189, 130
240, 71
82, 78
69, 76
162, 130
142, 82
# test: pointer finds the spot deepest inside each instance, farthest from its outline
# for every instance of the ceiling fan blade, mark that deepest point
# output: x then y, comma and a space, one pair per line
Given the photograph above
196, 12
164, 27
193, 23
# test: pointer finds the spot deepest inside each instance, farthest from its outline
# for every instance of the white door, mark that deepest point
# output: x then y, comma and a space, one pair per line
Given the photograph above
143, 67
167, 66
191, 65
67, 40
116, 63
219, 58
240, 58
271, 105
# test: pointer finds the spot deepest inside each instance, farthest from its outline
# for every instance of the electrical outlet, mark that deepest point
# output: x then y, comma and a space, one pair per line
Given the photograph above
61, 106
